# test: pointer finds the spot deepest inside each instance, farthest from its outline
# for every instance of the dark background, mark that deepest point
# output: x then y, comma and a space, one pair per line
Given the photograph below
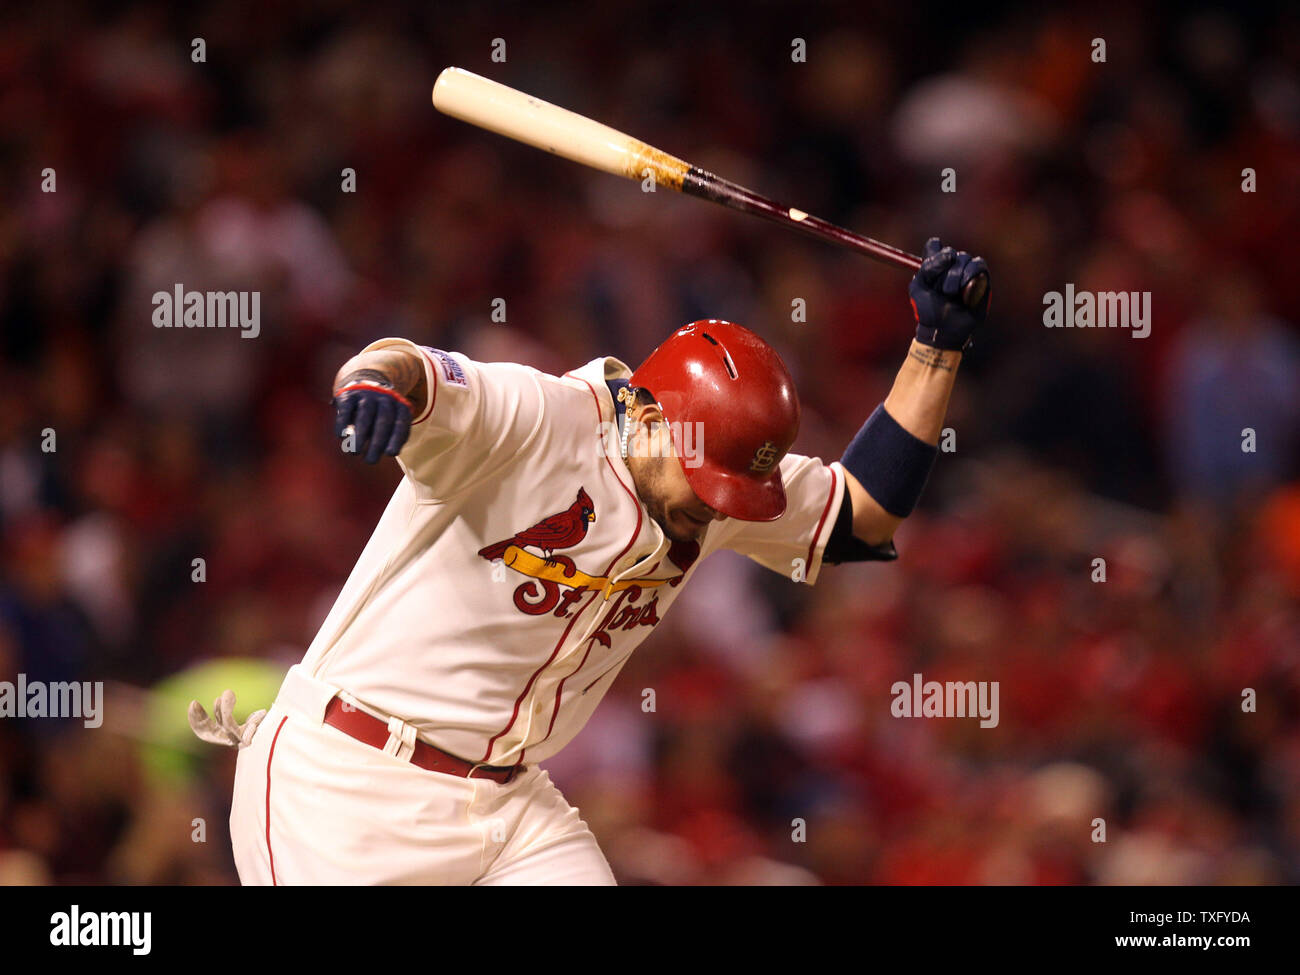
1119, 700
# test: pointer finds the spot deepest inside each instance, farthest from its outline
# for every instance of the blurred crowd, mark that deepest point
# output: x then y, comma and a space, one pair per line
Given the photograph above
128, 451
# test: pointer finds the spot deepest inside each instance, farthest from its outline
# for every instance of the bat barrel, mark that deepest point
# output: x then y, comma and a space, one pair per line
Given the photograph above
532, 121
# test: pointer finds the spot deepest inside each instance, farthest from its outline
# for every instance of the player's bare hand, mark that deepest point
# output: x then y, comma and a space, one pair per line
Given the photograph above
942, 319
378, 415
222, 728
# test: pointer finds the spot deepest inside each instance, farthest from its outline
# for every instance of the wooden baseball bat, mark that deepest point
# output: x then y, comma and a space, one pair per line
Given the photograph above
516, 115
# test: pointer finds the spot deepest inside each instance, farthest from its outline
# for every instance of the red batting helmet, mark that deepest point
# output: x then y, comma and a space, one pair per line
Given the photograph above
733, 384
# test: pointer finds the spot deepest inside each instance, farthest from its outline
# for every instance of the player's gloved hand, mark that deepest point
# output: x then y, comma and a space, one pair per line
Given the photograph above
222, 728
942, 320
379, 415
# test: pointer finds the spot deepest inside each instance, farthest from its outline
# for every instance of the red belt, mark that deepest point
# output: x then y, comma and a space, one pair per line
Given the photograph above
355, 723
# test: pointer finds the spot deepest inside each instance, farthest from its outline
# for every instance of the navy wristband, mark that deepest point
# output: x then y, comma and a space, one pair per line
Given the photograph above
890, 463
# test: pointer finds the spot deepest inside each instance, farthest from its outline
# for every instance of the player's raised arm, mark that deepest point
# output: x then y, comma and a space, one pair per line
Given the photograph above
889, 460
376, 393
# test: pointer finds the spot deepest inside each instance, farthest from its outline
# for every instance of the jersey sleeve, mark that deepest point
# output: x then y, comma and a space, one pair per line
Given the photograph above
476, 418
813, 493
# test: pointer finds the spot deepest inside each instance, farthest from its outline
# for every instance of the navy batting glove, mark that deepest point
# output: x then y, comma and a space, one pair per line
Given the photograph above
379, 416
942, 320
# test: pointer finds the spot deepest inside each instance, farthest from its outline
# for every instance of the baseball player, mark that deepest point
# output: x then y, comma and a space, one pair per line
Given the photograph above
543, 526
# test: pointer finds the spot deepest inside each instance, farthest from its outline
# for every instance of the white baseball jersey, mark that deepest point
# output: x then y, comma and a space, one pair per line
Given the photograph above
515, 569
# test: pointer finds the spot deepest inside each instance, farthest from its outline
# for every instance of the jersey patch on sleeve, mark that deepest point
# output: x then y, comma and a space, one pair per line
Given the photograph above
451, 369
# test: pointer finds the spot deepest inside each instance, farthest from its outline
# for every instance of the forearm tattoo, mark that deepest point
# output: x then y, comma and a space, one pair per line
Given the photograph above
402, 372
364, 375
933, 358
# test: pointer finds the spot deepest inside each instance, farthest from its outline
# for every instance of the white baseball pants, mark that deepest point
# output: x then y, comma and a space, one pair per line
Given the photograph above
312, 805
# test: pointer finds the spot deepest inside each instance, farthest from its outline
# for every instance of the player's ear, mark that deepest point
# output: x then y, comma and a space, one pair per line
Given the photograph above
648, 413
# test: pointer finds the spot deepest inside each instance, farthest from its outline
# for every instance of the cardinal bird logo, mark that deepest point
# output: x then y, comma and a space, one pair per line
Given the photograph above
563, 530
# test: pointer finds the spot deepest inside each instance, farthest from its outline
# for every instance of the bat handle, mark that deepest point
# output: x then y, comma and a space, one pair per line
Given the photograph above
975, 290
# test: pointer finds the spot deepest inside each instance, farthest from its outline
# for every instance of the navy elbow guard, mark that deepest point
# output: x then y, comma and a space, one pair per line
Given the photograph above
890, 464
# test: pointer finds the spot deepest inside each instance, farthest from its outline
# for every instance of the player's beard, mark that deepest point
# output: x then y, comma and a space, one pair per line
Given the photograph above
663, 520
652, 487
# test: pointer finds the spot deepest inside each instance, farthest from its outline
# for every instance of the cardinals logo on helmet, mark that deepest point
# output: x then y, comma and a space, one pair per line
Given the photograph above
764, 458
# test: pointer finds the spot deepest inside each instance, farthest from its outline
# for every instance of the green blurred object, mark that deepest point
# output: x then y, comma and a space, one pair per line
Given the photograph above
170, 754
